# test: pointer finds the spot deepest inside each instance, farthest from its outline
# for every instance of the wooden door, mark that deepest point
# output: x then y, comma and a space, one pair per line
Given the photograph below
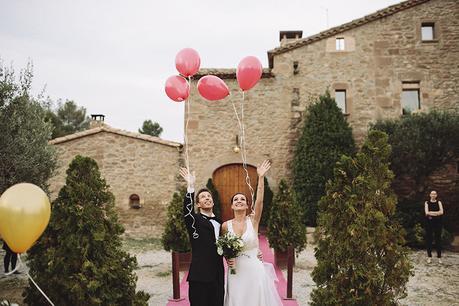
231, 179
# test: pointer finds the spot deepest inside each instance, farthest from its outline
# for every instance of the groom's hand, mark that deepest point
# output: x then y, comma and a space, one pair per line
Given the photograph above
231, 262
260, 255
190, 178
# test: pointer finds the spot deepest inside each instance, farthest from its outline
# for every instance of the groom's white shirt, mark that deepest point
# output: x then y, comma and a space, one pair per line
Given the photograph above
215, 224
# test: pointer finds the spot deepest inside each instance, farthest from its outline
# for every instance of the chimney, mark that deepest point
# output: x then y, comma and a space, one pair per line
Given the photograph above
97, 120
286, 37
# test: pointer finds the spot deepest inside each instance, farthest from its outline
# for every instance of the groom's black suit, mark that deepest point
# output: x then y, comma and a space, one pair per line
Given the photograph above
206, 275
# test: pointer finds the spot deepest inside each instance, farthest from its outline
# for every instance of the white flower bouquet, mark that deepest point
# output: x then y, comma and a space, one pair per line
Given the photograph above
230, 246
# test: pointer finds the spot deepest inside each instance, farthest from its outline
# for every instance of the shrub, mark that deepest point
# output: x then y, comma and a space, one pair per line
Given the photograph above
175, 236
422, 143
360, 257
285, 227
79, 259
325, 137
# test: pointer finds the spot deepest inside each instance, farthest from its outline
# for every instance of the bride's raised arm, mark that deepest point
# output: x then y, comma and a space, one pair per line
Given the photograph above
261, 171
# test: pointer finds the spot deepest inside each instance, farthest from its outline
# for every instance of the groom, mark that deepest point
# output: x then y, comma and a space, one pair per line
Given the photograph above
206, 275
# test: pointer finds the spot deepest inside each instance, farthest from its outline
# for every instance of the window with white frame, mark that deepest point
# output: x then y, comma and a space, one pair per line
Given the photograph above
427, 31
340, 98
339, 43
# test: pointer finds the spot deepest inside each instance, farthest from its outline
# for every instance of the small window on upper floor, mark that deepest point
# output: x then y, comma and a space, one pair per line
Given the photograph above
340, 98
411, 100
339, 44
428, 31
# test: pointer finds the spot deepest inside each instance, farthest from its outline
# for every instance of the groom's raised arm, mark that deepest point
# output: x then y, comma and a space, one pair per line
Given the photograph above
188, 207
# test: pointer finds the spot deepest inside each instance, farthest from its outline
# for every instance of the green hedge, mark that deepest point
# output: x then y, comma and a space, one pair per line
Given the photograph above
422, 143
175, 236
326, 136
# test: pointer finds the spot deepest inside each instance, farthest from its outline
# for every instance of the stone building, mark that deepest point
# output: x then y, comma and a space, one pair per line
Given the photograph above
402, 58
140, 169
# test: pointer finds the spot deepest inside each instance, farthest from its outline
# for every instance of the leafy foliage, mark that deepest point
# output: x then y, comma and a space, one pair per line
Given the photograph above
325, 137
285, 226
361, 258
79, 259
68, 119
216, 198
175, 236
267, 203
25, 155
150, 128
422, 143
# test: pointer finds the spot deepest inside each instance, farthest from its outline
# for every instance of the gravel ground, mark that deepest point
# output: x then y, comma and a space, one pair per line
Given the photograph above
432, 284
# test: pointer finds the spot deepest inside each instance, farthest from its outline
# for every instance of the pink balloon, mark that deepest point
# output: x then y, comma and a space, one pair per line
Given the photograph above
248, 72
187, 62
177, 88
212, 88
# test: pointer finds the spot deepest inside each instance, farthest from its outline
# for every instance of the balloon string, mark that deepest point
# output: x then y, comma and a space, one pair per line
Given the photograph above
30, 277
189, 207
242, 144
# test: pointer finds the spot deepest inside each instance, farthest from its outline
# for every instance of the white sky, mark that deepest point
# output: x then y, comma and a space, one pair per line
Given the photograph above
113, 57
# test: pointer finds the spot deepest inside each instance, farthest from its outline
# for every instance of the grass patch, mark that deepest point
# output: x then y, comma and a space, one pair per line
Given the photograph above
163, 274
144, 244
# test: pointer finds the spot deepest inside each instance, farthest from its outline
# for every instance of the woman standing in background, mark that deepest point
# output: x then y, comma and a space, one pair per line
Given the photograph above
434, 211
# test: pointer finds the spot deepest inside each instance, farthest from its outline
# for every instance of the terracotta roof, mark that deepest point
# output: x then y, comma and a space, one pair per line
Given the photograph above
108, 129
227, 73
344, 27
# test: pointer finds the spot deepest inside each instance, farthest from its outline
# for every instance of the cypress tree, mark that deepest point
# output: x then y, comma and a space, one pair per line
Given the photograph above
325, 137
79, 259
361, 258
285, 226
175, 236
216, 197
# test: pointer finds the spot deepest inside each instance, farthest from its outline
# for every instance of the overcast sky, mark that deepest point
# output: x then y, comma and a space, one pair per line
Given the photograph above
113, 57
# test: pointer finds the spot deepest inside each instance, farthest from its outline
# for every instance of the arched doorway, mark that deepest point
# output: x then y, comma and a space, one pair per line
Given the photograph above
230, 179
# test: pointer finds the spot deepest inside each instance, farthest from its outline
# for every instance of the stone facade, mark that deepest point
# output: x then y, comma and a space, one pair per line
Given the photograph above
132, 164
383, 53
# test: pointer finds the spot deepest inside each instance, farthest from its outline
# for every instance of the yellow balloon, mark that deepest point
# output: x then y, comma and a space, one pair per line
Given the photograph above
24, 214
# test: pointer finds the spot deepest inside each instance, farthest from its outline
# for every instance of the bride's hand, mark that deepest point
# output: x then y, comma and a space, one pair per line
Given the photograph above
260, 255
264, 167
231, 262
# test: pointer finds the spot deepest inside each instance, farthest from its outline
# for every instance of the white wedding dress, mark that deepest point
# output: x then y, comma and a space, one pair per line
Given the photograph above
253, 284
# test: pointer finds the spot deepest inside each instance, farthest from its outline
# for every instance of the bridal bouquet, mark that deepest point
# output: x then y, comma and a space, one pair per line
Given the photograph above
230, 246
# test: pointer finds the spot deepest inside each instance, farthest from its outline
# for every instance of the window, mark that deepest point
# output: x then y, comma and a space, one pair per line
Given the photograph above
134, 201
427, 31
410, 97
295, 68
340, 98
340, 44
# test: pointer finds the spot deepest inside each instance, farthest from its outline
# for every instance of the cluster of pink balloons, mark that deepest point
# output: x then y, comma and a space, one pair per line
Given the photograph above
210, 87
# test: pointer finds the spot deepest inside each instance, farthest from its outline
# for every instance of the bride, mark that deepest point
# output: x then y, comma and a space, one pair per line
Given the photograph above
253, 283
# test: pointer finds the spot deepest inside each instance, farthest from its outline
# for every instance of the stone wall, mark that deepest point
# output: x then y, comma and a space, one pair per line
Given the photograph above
213, 127
130, 166
379, 57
